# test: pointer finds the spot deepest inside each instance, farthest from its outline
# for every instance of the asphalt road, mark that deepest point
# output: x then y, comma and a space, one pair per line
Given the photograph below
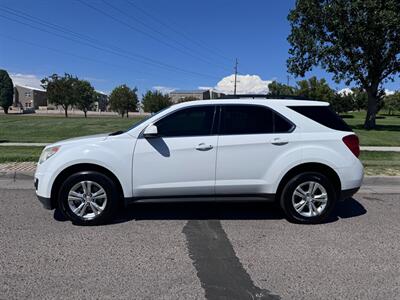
197, 251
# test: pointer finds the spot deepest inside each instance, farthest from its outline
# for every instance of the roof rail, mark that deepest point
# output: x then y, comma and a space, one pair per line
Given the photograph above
264, 96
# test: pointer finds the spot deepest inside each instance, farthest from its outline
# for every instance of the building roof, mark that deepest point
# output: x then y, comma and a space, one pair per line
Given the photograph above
31, 87
189, 92
101, 92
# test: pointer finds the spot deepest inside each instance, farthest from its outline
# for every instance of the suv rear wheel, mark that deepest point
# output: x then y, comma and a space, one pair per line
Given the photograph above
308, 198
88, 198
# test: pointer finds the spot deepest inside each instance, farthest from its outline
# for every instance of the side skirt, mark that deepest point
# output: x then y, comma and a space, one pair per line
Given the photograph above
203, 198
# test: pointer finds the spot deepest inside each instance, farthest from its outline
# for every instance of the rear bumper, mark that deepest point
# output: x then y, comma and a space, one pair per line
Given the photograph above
345, 194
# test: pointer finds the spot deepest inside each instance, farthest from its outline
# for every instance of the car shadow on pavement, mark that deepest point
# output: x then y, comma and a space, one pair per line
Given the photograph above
349, 208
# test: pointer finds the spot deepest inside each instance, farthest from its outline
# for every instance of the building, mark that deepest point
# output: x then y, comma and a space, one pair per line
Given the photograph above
177, 96
102, 102
28, 98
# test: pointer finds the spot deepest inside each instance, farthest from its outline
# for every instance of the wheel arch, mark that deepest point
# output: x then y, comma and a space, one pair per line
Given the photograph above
310, 167
82, 167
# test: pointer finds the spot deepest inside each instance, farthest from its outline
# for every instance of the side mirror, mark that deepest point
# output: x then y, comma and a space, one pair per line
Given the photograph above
151, 131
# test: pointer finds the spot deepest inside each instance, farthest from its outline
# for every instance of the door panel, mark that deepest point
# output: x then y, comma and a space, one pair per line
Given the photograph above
243, 161
250, 140
181, 160
174, 167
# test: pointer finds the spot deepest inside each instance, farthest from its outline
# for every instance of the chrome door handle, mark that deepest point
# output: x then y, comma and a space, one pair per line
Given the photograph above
279, 142
203, 147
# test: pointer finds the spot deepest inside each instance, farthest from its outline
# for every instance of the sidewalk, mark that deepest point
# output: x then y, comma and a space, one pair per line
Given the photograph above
376, 148
24, 144
17, 169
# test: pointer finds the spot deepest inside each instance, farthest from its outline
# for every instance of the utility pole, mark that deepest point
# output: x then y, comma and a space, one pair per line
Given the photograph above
236, 64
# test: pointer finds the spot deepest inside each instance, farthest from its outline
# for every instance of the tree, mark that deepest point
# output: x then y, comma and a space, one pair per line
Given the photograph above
342, 103
360, 99
187, 99
155, 101
356, 40
6, 91
84, 94
315, 89
60, 90
392, 103
279, 89
123, 100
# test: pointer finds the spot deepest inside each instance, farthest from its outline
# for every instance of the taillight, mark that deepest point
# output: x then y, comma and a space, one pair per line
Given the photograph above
352, 143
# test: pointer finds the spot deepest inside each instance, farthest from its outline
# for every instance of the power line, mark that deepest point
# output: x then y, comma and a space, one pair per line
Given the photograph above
85, 58
93, 45
189, 50
141, 31
201, 44
137, 57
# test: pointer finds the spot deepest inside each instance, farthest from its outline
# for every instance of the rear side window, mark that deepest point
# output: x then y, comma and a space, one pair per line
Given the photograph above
193, 121
245, 119
281, 125
251, 119
323, 115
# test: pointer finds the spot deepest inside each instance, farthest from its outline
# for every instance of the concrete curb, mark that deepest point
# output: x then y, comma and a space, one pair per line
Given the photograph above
381, 180
16, 175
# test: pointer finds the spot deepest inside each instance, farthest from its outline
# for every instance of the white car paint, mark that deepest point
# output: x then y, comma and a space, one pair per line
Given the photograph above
245, 164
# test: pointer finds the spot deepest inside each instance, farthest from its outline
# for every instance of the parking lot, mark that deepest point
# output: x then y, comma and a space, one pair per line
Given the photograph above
200, 250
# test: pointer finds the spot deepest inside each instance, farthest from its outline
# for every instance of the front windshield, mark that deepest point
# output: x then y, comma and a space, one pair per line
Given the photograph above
145, 119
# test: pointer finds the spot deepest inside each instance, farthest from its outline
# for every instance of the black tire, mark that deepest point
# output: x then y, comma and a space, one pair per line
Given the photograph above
98, 179
289, 189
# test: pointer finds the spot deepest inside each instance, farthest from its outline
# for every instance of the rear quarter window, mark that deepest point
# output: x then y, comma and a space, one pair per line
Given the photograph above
323, 115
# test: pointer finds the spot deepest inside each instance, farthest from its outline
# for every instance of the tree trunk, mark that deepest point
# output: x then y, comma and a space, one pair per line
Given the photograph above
127, 112
370, 119
66, 111
85, 112
5, 110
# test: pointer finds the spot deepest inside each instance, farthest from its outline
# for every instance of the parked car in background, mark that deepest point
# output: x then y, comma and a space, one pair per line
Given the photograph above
298, 153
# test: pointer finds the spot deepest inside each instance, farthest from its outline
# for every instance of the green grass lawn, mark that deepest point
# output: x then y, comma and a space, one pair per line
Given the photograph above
46, 129
381, 163
387, 132
18, 154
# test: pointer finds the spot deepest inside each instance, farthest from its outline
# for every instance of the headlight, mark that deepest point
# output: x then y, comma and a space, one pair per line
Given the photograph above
47, 153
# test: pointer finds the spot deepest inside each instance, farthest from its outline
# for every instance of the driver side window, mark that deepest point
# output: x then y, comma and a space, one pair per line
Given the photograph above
192, 121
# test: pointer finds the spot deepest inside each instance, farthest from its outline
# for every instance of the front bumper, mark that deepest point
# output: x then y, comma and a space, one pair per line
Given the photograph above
345, 194
46, 201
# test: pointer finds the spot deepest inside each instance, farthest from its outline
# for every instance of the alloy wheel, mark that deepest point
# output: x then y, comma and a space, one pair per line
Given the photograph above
310, 199
87, 200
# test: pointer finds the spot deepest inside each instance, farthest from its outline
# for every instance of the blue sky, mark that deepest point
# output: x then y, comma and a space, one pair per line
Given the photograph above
183, 45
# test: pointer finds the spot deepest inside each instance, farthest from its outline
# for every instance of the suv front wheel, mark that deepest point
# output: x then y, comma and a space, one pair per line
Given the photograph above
308, 198
88, 198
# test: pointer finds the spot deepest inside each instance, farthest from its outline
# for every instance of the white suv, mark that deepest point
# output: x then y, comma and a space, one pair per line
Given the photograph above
299, 153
